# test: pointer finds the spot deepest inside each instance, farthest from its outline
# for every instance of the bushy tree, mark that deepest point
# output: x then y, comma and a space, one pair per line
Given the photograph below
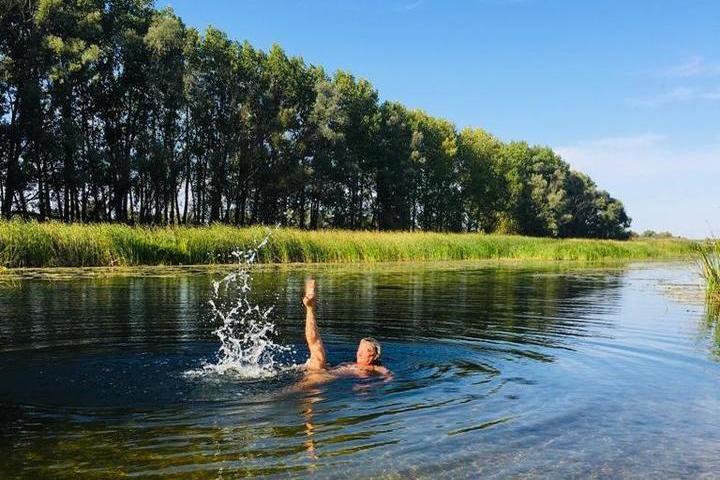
481, 177
395, 173
438, 204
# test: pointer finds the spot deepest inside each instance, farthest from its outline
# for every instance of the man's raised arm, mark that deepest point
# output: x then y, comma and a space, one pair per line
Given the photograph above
312, 335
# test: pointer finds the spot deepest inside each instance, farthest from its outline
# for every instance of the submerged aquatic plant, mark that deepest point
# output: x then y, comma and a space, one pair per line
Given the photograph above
712, 322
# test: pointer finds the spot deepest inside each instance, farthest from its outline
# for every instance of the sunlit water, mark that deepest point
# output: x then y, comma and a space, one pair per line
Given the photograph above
500, 372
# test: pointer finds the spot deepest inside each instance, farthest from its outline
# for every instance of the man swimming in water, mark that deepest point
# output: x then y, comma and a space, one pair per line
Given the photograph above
367, 359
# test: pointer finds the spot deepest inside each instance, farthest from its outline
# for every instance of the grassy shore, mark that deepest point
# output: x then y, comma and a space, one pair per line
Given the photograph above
32, 244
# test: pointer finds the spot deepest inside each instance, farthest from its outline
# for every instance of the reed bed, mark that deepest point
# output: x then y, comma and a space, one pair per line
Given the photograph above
709, 259
53, 244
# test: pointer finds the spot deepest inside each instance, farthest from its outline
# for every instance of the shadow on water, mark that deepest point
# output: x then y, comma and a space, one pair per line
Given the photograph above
499, 371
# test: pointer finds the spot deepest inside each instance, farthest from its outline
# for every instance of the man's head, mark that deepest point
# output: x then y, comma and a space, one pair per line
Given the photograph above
369, 352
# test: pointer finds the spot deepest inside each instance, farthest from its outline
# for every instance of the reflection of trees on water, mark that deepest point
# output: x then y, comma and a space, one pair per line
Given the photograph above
511, 305
138, 310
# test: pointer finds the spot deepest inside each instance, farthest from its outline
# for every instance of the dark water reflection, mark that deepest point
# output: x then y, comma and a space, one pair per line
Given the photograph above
499, 371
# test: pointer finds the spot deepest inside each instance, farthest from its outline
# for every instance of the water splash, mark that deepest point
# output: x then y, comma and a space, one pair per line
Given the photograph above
246, 330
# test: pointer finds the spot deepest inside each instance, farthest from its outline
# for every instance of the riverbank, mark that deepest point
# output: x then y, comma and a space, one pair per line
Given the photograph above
32, 244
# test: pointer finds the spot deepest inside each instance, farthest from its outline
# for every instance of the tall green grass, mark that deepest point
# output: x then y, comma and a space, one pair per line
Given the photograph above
51, 244
709, 259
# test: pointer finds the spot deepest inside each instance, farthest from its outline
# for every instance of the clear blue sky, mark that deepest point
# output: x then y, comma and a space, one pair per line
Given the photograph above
627, 91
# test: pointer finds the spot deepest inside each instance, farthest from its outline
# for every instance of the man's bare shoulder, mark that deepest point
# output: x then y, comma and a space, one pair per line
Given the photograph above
353, 369
313, 377
345, 368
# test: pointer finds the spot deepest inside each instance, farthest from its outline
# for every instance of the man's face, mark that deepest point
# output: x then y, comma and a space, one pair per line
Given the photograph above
366, 353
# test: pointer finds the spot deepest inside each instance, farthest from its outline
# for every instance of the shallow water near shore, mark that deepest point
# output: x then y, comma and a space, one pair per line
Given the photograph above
500, 371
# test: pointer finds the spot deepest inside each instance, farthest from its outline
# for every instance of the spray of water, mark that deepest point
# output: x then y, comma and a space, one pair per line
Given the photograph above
246, 330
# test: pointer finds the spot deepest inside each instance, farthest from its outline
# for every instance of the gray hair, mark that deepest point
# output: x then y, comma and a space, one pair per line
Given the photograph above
375, 344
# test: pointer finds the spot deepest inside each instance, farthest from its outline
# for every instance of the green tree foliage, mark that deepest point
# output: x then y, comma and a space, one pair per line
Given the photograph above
161, 167
395, 173
484, 185
434, 155
112, 110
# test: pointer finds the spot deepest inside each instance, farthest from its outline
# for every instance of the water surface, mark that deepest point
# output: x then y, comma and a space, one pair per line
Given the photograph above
500, 371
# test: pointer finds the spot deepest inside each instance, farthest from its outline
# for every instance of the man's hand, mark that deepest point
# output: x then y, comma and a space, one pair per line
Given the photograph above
309, 298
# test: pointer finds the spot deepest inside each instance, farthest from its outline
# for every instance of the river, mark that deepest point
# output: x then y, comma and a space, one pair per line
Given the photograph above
500, 370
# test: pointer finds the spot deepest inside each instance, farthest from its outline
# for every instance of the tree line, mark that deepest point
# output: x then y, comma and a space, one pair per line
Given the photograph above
113, 110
